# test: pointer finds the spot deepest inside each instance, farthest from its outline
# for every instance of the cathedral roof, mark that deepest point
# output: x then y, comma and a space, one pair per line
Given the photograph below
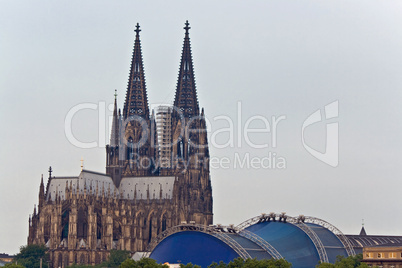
138, 187
130, 187
91, 180
58, 185
87, 179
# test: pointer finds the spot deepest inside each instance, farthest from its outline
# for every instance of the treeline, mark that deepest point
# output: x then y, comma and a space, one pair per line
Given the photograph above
31, 256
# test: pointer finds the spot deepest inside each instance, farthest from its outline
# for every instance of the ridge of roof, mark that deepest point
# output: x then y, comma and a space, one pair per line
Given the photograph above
94, 172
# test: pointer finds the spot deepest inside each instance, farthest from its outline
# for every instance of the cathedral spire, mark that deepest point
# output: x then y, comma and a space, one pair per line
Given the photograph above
114, 137
42, 187
41, 193
136, 97
186, 94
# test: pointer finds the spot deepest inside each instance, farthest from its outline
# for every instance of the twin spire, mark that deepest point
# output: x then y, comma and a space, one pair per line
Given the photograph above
136, 97
186, 95
186, 101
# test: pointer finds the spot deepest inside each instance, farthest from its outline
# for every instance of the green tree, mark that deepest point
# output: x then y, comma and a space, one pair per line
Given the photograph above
13, 265
189, 265
74, 265
325, 265
265, 263
346, 262
116, 258
253, 263
143, 263
220, 265
29, 256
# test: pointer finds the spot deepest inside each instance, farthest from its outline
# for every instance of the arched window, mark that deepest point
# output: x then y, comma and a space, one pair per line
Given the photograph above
116, 231
82, 224
47, 228
60, 260
179, 148
130, 148
82, 258
66, 262
64, 223
97, 258
164, 223
98, 227
150, 229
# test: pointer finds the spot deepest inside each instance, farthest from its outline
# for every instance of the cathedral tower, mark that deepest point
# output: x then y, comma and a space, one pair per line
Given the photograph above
81, 218
114, 152
139, 138
189, 140
133, 146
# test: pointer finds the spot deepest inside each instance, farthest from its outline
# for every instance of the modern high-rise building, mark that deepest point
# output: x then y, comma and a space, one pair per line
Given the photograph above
81, 218
164, 130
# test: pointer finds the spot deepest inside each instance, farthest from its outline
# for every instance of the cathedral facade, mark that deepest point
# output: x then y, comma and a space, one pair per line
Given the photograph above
143, 192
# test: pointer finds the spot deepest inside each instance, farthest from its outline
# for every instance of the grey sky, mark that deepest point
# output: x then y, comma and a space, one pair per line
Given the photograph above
275, 57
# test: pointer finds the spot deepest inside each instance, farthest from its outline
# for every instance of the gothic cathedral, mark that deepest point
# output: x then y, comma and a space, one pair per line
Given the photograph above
157, 176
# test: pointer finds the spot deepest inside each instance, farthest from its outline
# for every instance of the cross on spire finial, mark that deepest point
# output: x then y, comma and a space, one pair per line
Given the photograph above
115, 94
137, 28
187, 27
50, 172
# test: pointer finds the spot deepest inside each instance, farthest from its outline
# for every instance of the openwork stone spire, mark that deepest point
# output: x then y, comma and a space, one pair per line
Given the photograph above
114, 137
186, 94
136, 98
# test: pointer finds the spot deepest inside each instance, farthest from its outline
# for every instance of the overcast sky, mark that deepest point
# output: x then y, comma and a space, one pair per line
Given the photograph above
271, 58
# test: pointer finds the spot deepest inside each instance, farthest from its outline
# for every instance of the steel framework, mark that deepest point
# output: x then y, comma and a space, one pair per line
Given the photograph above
262, 243
300, 223
218, 232
344, 240
322, 253
221, 233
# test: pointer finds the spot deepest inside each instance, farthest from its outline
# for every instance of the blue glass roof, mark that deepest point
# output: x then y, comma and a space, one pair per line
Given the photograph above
253, 249
333, 246
291, 242
216, 244
192, 246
